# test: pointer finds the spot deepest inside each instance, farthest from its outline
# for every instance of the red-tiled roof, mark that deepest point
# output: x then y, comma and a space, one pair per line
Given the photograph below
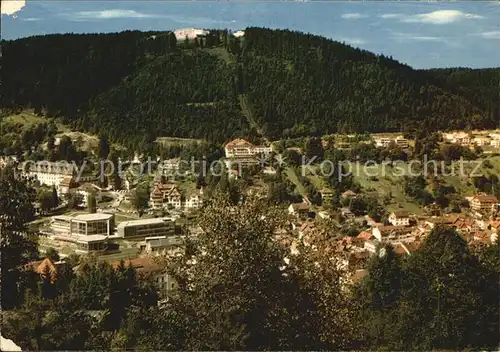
239, 142
364, 235
486, 198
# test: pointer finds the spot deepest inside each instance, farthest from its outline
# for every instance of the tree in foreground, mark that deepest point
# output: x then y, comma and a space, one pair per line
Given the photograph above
440, 297
18, 245
237, 291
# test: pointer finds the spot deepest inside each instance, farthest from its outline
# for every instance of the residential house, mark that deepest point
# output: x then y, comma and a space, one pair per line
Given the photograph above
326, 194
399, 218
349, 194
165, 195
300, 210
402, 142
495, 143
383, 141
148, 267
161, 245
461, 138
347, 213
393, 234
65, 185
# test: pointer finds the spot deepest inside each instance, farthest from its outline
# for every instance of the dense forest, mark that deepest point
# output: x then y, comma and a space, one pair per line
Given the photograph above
136, 86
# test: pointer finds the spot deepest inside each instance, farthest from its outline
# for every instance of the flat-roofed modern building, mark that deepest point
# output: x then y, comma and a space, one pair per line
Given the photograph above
92, 243
88, 231
146, 228
84, 224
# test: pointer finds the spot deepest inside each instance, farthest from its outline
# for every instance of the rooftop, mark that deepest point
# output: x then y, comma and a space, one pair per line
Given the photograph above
144, 222
91, 238
91, 217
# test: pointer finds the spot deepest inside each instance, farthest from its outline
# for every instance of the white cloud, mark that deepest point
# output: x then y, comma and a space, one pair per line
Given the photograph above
353, 16
110, 14
408, 37
434, 17
391, 15
352, 41
10, 7
491, 35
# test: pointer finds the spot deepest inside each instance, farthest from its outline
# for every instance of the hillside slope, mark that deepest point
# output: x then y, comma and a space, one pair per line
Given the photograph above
136, 86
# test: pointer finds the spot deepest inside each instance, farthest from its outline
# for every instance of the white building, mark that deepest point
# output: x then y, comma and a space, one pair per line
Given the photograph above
161, 245
238, 34
241, 148
190, 33
399, 218
146, 228
89, 231
49, 173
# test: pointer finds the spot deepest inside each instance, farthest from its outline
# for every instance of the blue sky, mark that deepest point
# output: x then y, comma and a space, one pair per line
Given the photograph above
421, 34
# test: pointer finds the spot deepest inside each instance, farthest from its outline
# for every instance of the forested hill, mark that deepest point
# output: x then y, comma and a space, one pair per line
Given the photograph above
135, 86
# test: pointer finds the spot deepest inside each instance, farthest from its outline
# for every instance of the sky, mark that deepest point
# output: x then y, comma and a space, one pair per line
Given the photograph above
421, 34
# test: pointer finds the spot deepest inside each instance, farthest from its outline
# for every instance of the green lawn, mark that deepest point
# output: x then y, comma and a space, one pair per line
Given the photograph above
292, 176
25, 118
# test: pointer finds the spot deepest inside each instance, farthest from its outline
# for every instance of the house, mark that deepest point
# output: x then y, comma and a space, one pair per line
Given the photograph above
65, 185
402, 142
399, 218
483, 202
326, 194
164, 195
365, 236
194, 201
481, 141
347, 213
371, 246
383, 141
465, 225
85, 190
148, 267
300, 210
349, 194
461, 138
486, 237
46, 266
161, 245
393, 234
170, 166
495, 143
